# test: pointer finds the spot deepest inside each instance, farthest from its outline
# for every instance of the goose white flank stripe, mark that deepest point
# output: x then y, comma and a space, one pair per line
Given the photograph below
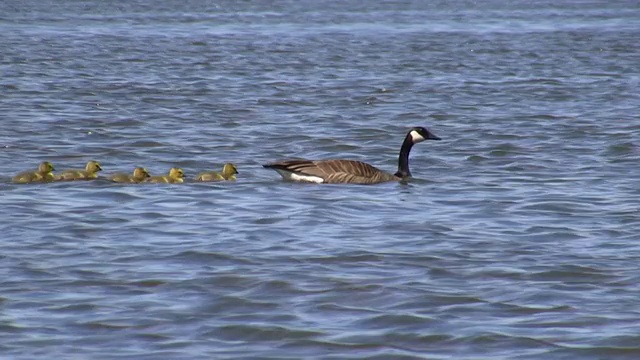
291, 176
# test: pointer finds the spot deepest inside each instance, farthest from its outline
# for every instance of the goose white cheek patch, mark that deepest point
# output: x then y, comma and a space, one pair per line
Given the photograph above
416, 137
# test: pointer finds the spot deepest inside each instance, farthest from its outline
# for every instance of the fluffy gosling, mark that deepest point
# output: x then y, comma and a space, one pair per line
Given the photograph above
42, 174
228, 173
140, 174
90, 172
176, 176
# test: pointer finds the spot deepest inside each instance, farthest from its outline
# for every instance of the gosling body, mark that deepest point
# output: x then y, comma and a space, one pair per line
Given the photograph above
175, 176
140, 174
90, 172
228, 173
44, 173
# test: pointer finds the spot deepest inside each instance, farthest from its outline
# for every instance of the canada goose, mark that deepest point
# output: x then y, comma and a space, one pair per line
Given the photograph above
228, 173
42, 174
90, 172
139, 175
350, 171
176, 175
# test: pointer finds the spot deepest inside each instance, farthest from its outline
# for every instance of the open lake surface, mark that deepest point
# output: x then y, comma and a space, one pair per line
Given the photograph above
518, 238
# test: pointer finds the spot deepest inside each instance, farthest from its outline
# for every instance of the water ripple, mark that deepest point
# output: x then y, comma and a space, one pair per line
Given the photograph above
517, 231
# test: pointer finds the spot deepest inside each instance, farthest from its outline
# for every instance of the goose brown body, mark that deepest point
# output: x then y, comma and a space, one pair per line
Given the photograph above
333, 171
341, 171
42, 174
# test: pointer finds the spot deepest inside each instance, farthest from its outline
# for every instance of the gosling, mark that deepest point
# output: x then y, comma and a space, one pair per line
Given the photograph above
139, 175
176, 176
90, 172
42, 174
228, 173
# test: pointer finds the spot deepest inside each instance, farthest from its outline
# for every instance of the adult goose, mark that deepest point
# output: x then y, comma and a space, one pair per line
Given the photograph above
350, 171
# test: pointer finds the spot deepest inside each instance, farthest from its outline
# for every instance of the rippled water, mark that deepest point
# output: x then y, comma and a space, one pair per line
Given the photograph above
518, 237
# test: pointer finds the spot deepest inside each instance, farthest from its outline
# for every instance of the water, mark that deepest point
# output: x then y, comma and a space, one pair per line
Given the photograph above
517, 239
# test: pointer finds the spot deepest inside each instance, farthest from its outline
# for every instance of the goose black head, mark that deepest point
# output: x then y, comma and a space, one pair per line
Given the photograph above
420, 134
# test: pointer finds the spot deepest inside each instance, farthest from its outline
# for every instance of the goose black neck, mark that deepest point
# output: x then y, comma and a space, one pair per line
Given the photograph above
403, 158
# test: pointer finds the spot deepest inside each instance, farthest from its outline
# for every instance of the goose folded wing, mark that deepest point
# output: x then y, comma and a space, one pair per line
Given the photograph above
355, 172
335, 171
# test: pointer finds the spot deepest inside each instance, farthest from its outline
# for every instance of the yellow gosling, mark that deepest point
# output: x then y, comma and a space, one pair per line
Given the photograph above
90, 172
140, 174
176, 176
228, 173
42, 174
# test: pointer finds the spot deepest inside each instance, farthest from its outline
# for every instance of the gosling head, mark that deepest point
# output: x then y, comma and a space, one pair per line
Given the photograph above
176, 173
420, 134
229, 169
140, 173
93, 166
45, 167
